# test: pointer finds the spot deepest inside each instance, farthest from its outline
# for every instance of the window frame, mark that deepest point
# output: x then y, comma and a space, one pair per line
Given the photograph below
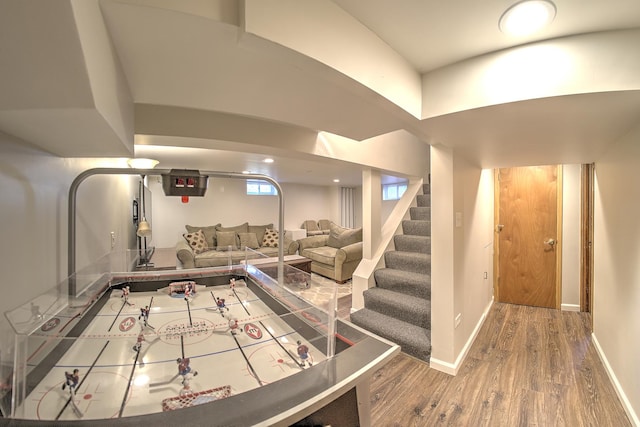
264, 188
399, 189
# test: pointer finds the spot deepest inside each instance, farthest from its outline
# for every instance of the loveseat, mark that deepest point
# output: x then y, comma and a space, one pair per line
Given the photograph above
213, 245
314, 228
335, 255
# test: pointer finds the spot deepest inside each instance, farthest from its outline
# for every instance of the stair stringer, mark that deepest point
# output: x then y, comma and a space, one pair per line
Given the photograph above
394, 309
362, 278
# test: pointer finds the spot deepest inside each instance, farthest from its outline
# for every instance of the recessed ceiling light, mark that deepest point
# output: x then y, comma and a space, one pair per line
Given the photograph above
527, 17
336, 180
268, 160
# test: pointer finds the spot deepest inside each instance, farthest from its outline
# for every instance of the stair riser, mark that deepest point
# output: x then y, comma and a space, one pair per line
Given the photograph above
416, 228
413, 340
423, 200
416, 316
419, 244
420, 213
400, 261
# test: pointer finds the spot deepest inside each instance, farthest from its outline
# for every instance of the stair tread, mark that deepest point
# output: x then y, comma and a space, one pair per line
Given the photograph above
409, 254
397, 296
410, 276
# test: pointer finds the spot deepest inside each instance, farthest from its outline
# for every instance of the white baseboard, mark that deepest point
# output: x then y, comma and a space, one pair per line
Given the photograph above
439, 365
570, 307
452, 368
614, 380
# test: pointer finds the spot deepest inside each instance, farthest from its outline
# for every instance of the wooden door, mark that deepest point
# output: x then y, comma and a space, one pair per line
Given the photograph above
527, 235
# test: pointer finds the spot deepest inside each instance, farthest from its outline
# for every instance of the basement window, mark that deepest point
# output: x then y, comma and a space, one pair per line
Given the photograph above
260, 188
393, 191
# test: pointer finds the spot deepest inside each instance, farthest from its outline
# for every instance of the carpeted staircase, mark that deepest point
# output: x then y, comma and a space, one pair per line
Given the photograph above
398, 308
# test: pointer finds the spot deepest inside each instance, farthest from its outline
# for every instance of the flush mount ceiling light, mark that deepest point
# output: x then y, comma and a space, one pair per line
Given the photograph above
527, 17
268, 160
141, 163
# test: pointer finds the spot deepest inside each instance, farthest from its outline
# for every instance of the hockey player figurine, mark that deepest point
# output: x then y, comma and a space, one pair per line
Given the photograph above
71, 380
35, 312
144, 315
221, 305
139, 341
184, 369
188, 292
234, 327
232, 285
125, 294
303, 353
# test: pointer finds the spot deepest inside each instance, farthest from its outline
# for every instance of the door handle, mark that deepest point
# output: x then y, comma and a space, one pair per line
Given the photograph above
550, 242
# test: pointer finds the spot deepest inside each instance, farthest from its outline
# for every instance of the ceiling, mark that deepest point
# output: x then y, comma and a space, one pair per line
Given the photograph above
431, 33
174, 60
564, 129
283, 169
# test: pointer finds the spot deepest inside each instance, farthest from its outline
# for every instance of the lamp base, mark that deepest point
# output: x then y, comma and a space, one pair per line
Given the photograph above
144, 265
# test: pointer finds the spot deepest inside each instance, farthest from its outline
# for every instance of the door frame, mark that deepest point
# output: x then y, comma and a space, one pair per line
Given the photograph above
558, 246
587, 174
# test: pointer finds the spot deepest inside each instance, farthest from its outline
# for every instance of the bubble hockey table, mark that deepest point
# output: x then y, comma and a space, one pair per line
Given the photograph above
251, 378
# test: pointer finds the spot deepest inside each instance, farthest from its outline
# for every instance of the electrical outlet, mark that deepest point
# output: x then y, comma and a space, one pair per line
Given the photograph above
486, 275
113, 239
458, 320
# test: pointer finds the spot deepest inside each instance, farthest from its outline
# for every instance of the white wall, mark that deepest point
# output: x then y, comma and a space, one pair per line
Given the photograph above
35, 187
442, 259
226, 202
617, 266
461, 254
474, 292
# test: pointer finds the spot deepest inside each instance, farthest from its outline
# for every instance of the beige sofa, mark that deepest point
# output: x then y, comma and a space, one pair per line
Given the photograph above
216, 245
335, 255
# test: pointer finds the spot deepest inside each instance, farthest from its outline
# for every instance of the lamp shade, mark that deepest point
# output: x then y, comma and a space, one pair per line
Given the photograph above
144, 230
141, 163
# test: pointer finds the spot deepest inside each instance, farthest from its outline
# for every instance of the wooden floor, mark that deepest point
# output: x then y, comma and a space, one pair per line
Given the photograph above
528, 367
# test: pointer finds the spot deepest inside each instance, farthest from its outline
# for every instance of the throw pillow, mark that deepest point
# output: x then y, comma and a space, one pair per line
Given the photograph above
248, 240
197, 241
226, 239
209, 233
259, 230
242, 228
270, 239
340, 237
